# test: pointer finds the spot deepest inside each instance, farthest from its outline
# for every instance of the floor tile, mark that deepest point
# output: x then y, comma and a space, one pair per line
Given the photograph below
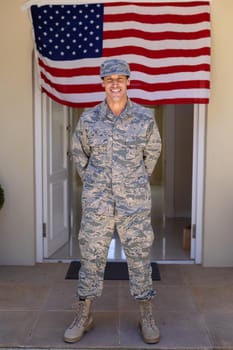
170, 275
49, 329
22, 296
15, 326
61, 295
214, 298
220, 328
39, 273
211, 276
182, 329
108, 301
174, 298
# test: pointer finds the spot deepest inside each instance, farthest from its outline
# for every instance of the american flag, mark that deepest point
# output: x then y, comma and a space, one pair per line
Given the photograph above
167, 45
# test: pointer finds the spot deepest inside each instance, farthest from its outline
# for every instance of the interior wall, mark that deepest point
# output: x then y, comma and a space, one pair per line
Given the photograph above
156, 178
183, 154
218, 213
17, 234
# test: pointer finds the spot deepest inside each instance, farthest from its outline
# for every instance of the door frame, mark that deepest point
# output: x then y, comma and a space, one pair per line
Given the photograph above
199, 140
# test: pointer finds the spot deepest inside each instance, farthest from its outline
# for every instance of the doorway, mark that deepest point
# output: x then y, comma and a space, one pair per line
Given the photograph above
171, 185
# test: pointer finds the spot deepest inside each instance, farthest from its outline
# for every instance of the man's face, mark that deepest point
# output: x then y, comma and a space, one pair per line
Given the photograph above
115, 87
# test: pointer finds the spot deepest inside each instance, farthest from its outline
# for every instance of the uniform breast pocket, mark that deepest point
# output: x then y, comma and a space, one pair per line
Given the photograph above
130, 147
134, 147
98, 139
99, 146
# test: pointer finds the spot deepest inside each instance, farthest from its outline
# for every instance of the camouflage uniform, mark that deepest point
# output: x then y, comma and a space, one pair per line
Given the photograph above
115, 156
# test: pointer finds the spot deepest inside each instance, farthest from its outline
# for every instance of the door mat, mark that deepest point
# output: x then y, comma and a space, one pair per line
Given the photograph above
113, 271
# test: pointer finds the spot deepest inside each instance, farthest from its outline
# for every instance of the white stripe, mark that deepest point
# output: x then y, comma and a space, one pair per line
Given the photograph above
156, 28
171, 77
76, 80
81, 98
156, 10
134, 93
95, 62
147, 78
158, 45
169, 94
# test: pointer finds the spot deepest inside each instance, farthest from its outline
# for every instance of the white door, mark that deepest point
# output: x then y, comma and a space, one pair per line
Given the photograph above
55, 176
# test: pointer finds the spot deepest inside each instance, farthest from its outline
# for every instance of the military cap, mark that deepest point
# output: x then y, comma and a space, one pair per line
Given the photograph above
114, 66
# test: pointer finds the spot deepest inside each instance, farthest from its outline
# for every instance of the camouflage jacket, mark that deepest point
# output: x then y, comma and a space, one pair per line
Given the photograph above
115, 156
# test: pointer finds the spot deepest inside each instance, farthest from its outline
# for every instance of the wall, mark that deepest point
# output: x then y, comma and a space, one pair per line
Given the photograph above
17, 220
218, 216
17, 237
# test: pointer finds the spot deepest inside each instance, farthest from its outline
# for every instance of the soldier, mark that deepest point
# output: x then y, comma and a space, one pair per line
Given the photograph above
116, 145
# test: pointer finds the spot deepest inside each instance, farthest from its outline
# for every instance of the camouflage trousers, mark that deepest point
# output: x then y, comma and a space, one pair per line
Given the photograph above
136, 235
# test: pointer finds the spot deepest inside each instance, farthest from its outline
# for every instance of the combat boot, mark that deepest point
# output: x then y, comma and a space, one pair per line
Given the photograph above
150, 332
82, 322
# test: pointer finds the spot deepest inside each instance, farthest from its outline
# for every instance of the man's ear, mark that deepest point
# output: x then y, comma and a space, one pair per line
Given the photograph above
128, 81
102, 83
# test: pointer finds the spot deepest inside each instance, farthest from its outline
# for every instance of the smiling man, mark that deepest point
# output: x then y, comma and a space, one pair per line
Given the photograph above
116, 145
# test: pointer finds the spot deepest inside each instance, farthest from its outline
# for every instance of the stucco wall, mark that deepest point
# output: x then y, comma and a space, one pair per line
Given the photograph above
17, 237
218, 217
17, 219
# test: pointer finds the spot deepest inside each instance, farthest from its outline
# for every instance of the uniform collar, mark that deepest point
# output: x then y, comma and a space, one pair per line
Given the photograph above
107, 113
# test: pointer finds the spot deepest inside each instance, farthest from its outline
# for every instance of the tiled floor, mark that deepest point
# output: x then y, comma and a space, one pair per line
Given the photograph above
193, 309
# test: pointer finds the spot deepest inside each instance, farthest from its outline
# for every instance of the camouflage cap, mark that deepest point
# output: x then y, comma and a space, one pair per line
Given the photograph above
114, 66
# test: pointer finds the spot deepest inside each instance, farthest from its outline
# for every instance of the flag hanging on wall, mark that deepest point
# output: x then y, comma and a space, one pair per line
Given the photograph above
167, 45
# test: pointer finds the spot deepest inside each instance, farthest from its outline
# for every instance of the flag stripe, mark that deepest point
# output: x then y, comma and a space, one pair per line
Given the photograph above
137, 67
198, 93
140, 51
158, 28
79, 79
155, 9
167, 45
91, 87
147, 45
152, 19
166, 35
85, 104
191, 3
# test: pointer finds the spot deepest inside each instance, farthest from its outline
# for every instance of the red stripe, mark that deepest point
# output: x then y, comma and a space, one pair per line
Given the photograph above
177, 85
73, 89
159, 4
157, 19
69, 72
190, 100
69, 103
138, 100
86, 71
130, 50
118, 34
135, 84
171, 69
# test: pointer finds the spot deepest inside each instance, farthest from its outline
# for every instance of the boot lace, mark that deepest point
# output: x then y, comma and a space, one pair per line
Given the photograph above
80, 316
148, 319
